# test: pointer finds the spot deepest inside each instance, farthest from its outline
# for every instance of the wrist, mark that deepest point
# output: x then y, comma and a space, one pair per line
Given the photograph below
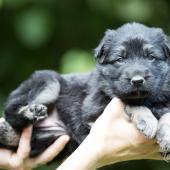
89, 152
83, 158
95, 152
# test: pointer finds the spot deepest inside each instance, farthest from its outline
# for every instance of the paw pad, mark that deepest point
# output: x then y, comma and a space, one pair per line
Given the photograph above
39, 110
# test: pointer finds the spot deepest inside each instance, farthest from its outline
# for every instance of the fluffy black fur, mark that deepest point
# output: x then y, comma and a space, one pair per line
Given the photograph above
131, 50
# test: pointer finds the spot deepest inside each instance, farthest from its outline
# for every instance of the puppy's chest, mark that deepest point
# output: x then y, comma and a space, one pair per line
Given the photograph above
69, 103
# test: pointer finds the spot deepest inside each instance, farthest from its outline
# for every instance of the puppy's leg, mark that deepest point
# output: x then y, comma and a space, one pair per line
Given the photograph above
8, 135
28, 103
163, 133
144, 120
93, 106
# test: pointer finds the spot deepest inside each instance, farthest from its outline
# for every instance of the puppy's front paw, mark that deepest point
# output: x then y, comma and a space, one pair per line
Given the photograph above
144, 120
166, 156
163, 133
147, 125
163, 138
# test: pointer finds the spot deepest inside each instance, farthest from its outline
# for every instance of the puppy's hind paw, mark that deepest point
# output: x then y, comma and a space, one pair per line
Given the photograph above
34, 112
39, 110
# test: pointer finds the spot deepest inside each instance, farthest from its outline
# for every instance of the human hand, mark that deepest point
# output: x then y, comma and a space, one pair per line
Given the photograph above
21, 161
114, 138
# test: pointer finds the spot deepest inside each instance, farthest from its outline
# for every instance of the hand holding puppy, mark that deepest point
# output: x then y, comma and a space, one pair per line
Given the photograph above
113, 138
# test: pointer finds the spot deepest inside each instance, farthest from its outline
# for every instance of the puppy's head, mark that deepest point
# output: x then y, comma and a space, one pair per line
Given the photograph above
133, 61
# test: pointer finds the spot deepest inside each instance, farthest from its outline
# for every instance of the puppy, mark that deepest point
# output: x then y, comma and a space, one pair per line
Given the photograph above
133, 63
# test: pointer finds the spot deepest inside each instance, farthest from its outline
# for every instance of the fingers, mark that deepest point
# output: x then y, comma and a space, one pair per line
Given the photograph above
17, 159
24, 144
51, 152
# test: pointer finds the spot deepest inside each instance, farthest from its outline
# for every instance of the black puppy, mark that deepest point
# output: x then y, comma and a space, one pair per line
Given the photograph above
133, 63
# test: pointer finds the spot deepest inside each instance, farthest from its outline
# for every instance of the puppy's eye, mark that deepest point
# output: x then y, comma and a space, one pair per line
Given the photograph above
152, 58
119, 60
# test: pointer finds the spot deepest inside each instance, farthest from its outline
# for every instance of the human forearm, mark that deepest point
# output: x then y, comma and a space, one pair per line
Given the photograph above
90, 156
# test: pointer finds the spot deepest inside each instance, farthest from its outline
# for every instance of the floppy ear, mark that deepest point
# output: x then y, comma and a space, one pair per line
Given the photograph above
167, 46
166, 41
103, 49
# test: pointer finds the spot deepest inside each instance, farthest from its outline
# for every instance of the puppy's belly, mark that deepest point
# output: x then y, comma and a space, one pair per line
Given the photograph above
52, 123
46, 132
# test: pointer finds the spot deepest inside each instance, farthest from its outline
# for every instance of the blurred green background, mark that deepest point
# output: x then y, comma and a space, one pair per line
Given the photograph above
61, 35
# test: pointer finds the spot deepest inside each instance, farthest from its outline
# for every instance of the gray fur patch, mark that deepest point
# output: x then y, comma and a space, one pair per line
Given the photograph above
8, 135
49, 94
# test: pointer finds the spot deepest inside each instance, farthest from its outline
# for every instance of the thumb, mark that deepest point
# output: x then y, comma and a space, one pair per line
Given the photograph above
114, 108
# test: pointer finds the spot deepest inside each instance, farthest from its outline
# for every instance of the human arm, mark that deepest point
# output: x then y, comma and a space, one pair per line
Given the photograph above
113, 138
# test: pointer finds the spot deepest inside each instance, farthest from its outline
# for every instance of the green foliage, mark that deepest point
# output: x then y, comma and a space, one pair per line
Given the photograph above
125, 10
33, 27
77, 61
1, 3
61, 34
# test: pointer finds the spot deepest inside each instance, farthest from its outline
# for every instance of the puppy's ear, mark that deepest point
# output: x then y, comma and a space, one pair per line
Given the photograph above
103, 49
166, 47
166, 41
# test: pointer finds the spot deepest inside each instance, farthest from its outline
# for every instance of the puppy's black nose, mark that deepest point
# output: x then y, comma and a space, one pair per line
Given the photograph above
137, 80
